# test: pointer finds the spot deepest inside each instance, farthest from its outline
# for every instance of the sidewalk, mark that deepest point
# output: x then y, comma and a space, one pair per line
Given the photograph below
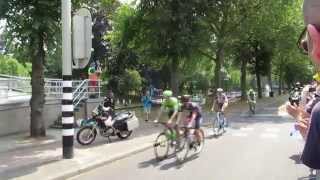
45, 162
27, 158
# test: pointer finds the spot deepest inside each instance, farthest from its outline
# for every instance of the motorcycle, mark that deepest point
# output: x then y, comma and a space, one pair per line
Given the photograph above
123, 124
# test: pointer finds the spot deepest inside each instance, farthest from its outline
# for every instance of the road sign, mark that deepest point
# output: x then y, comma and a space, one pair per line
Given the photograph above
82, 38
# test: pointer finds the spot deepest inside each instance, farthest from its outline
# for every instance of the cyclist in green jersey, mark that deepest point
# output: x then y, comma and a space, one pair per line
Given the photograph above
170, 105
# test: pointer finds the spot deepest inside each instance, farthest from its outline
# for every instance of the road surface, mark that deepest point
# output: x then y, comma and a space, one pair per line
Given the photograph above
254, 148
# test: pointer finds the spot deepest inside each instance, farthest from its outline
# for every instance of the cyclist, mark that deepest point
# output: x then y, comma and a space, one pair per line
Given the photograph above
195, 116
220, 103
251, 99
170, 104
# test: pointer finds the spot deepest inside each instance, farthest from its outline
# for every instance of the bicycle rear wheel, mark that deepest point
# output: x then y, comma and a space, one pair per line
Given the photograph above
200, 142
161, 146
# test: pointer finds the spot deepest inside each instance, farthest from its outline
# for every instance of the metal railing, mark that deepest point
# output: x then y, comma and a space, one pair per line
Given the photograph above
15, 87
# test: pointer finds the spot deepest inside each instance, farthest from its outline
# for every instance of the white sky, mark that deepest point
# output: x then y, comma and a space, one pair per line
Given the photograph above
2, 23
126, 1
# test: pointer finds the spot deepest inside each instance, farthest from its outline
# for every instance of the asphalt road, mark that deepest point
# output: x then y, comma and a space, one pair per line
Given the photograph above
254, 148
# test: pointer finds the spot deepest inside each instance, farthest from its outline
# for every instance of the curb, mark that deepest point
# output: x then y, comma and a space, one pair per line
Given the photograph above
117, 157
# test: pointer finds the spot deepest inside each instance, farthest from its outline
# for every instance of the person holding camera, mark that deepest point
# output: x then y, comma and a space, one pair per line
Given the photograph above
309, 42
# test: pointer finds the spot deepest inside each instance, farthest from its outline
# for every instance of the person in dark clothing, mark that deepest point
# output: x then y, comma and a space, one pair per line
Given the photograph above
310, 44
311, 153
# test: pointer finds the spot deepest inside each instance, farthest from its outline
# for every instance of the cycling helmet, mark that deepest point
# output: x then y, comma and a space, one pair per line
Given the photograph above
185, 98
167, 93
219, 90
91, 70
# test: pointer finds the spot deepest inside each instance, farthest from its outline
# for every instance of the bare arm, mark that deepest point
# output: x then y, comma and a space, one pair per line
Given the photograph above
173, 116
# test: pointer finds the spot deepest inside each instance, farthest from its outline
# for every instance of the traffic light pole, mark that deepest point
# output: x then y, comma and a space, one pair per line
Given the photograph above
67, 98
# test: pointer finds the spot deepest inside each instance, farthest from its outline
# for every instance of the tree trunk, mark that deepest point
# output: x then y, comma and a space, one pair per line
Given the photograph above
37, 125
217, 69
280, 81
174, 76
259, 84
270, 78
243, 78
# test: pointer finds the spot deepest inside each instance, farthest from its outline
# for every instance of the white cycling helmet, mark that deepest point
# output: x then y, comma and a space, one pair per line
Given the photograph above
219, 90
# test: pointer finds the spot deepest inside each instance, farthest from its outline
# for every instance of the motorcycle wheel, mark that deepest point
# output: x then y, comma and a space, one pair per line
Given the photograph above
86, 135
124, 134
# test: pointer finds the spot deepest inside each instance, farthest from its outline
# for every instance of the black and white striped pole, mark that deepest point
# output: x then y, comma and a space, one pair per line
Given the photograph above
67, 98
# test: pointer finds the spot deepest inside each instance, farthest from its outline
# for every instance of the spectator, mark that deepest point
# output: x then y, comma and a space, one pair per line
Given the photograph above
146, 101
311, 45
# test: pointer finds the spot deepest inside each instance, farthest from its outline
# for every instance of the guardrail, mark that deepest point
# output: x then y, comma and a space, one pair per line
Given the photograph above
15, 87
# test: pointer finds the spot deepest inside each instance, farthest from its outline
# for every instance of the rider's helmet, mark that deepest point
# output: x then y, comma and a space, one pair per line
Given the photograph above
219, 90
167, 94
251, 91
185, 100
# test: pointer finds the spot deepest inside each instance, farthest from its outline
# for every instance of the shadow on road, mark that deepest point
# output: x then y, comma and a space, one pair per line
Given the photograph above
296, 158
166, 166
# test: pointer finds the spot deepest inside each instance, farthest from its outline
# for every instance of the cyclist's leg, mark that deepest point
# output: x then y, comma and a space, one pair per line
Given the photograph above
197, 127
224, 120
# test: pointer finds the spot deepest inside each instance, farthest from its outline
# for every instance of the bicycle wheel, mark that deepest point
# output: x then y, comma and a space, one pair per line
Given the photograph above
215, 125
182, 148
200, 142
161, 146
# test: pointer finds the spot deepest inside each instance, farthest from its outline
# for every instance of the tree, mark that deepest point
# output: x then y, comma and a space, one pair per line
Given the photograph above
33, 25
11, 66
260, 62
168, 30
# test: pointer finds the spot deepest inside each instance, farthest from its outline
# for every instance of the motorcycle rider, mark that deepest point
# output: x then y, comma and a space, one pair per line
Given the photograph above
108, 109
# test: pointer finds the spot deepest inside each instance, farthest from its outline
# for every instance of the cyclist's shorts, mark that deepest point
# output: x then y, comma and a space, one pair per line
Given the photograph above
220, 105
198, 122
170, 113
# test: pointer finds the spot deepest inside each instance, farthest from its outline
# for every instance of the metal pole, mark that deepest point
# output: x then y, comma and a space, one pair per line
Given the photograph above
67, 98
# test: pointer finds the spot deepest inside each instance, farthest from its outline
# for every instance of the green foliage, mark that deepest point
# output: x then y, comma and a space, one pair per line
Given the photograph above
11, 66
130, 82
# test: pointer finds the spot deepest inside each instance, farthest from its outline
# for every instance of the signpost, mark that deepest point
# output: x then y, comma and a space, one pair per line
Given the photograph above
67, 98
82, 44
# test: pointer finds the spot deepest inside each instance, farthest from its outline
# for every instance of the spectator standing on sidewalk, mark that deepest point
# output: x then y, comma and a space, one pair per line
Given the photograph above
147, 103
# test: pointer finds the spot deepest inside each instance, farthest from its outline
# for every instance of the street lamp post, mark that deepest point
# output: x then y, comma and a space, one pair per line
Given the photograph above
67, 105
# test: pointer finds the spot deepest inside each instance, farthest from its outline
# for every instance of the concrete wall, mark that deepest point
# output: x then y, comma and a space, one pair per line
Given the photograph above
15, 117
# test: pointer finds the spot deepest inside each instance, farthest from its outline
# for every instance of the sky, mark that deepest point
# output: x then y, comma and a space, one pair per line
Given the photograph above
126, 1
2, 23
